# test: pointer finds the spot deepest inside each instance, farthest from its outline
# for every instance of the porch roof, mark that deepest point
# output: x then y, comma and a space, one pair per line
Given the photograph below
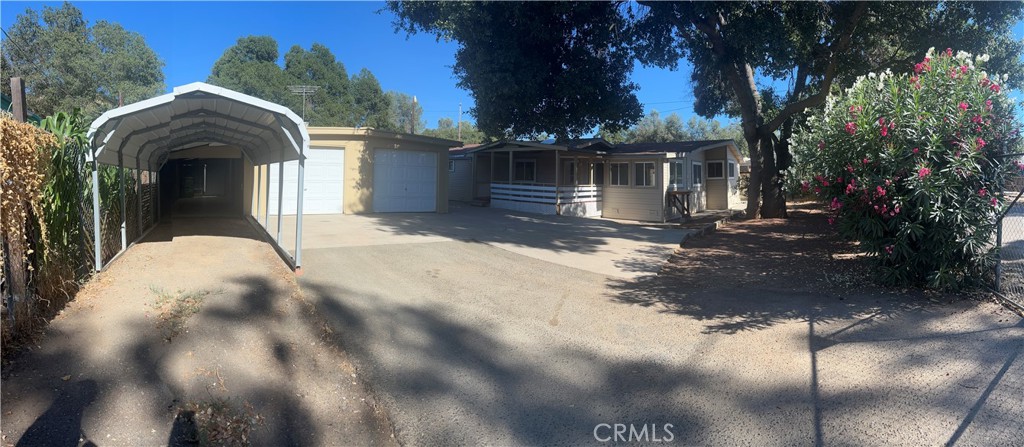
591, 146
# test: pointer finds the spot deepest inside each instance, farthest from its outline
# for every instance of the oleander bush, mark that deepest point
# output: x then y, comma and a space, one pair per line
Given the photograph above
912, 167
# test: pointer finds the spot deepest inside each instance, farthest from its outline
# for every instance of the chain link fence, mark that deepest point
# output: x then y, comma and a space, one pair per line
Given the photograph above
1009, 274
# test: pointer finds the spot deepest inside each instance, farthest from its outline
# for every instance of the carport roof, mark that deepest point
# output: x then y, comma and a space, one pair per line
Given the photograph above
197, 114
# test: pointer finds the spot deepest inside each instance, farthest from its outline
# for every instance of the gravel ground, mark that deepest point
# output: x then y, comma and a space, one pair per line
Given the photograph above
114, 369
466, 343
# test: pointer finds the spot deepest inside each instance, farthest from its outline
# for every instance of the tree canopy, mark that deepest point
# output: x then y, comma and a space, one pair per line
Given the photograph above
449, 129
68, 64
251, 67
535, 67
564, 68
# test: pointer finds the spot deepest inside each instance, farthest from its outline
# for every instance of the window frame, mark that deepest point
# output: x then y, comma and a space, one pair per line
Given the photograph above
654, 179
699, 173
707, 169
595, 179
680, 177
613, 168
515, 171
732, 169
451, 165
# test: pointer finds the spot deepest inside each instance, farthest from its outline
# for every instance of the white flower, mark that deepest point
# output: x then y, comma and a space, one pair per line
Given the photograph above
982, 58
931, 51
963, 55
872, 75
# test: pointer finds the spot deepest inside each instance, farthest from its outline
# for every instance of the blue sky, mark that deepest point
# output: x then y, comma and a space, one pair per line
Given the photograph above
190, 36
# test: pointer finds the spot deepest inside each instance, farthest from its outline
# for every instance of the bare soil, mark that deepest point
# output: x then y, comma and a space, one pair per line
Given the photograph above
198, 333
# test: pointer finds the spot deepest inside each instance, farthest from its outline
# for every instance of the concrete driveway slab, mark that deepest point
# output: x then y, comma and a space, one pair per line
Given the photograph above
600, 246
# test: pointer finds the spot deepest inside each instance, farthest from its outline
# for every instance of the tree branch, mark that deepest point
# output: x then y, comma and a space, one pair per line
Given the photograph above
840, 46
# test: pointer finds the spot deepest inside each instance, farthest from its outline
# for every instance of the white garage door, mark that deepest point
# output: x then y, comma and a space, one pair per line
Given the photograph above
324, 183
404, 181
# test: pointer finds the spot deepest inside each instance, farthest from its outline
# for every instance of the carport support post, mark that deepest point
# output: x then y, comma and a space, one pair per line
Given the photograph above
259, 191
156, 212
558, 170
138, 187
124, 202
96, 242
266, 209
511, 167
280, 199
298, 210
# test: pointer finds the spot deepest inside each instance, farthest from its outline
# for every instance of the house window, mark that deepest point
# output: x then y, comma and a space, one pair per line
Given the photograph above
525, 171
732, 169
716, 169
675, 173
570, 174
451, 165
620, 174
698, 174
598, 173
644, 173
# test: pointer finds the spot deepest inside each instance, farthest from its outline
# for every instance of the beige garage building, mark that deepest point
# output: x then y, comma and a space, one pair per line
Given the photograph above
363, 170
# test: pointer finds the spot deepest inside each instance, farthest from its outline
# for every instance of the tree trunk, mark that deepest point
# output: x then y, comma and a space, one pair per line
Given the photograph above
754, 182
773, 204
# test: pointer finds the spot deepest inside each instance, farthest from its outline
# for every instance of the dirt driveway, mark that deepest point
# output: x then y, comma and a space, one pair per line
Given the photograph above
467, 341
199, 316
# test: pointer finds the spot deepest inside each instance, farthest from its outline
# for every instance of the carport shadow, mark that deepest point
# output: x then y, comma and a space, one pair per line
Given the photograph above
499, 226
171, 227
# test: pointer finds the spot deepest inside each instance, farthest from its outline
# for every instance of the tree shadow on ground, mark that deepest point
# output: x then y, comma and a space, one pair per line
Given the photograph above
497, 226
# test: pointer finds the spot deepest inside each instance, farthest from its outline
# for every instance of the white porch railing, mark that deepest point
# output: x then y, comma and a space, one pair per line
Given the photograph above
545, 199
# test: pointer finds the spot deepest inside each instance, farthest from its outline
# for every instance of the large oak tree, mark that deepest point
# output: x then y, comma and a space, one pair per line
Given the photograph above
564, 68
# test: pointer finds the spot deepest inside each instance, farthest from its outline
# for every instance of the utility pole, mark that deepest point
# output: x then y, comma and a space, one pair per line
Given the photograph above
460, 120
304, 91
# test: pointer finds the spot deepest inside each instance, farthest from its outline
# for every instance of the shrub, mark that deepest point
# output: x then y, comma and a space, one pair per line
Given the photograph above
911, 166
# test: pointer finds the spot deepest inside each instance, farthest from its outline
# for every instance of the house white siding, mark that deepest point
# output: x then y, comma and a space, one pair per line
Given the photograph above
717, 189
460, 179
635, 202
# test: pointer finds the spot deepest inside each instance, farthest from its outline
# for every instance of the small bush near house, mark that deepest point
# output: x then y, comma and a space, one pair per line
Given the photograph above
910, 167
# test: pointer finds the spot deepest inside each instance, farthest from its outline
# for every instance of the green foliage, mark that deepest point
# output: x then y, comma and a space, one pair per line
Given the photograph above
65, 192
371, 106
653, 129
535, 67
251, 67
406, 113
910, 165
67, 64
449, 129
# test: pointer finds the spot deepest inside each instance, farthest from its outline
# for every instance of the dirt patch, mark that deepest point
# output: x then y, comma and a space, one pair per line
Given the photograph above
198, 334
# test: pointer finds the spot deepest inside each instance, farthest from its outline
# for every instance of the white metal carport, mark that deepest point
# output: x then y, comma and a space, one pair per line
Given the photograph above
143, 134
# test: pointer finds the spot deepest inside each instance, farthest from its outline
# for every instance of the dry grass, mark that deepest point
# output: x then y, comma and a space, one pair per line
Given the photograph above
174, 309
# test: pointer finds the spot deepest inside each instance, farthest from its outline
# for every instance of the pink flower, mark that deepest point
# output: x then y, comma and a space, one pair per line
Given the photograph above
849, 169
817, 190
994, 87
1020, 165
977, 119
880, 191
896, 210
982, 192
839, 180
885, 130
916, 150
949, 52
918, 68
831, 221
964, 106
866, 161
835, 204
995, 202
850, 188
821, 145
923, 172
988, 104
805, 186
824, 183
888, 182
851, 128
888, 249
963, 69
981, 143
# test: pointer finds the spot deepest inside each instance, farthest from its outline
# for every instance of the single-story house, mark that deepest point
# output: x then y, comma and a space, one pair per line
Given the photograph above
362, 170
594, 178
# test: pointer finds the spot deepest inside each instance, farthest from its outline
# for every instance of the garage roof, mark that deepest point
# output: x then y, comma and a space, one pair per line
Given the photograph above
194, 115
